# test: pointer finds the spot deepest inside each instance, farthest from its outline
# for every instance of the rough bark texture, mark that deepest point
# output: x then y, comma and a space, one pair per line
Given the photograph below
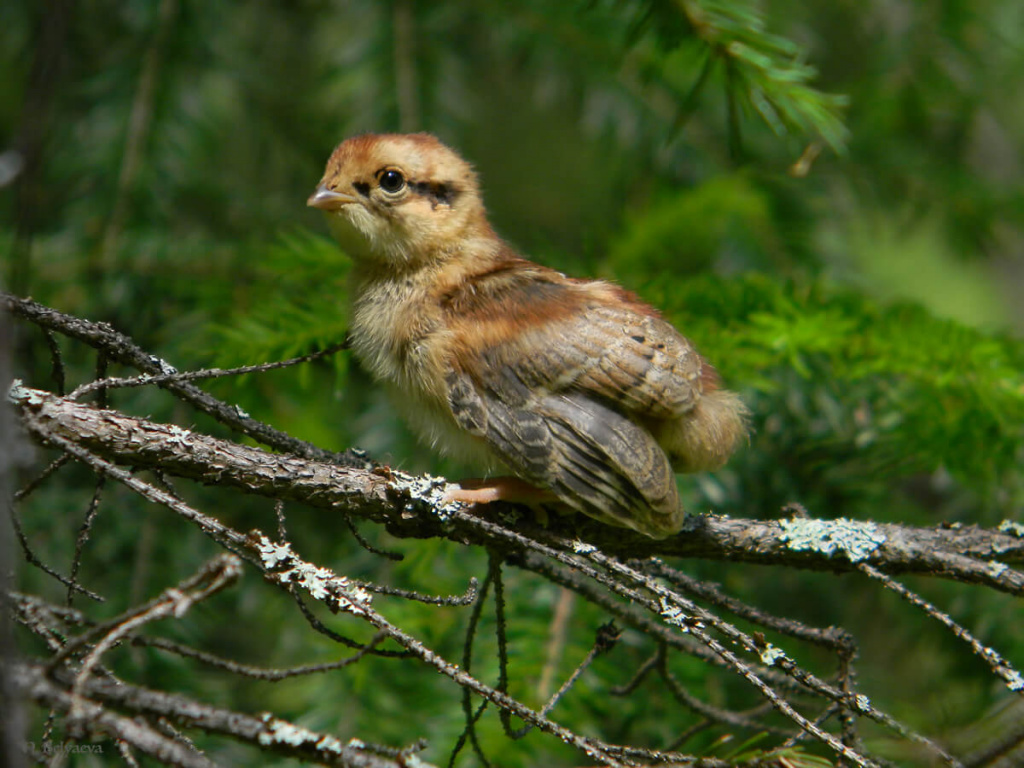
413, 508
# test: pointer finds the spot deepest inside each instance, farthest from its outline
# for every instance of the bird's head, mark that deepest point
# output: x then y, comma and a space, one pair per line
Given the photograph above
400, 199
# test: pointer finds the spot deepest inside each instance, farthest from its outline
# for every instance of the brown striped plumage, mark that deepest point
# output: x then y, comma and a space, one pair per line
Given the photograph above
576, 386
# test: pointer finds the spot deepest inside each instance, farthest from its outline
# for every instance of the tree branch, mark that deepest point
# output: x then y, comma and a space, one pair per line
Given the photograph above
262, 731
413, 507
122, 349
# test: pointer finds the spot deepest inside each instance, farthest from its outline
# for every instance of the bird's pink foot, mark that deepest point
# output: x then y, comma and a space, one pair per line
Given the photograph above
487, 490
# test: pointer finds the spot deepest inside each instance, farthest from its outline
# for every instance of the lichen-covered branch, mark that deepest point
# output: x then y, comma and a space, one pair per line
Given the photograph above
413, 506
106, 699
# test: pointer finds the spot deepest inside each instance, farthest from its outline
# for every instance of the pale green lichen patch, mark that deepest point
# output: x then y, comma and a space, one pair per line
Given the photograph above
19, 394
1014, 681
165, 368
857, 540
281, 732
426, 491
178, 436
321, 583
412, 761
772, 654
996, 569
272, 553
1013, 528
582, 547
674, 615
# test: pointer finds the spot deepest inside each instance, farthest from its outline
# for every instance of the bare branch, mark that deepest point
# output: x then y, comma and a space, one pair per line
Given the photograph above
122, 349
257, 673
83, 536
219, 573
146, 379
999, 665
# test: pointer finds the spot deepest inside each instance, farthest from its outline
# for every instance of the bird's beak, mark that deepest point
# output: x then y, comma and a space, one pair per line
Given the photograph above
328, 200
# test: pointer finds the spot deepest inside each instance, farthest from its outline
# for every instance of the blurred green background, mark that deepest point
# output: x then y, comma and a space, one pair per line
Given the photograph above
845, 246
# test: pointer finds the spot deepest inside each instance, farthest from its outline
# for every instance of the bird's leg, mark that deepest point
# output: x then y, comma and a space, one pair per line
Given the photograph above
506, 488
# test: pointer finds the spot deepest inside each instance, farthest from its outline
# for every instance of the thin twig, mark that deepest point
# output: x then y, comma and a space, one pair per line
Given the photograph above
32, 559
465, 598
471, 718
607, 636
999, 665
83, 534
220, 572
102, 364
835, 638
675, 610
57, 372
146, 380
494, 562
707, 711
52, 467
641, 673
258, 673
282, 528
122, 349
361, 540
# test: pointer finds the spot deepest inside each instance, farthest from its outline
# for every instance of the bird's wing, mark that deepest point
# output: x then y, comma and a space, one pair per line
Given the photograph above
593, 458
637, 362
567, 401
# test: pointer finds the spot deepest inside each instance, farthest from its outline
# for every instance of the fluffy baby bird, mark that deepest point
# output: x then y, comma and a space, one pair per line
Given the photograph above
578, 387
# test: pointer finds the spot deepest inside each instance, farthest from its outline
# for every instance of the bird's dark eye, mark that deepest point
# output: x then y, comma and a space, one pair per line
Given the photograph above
392, 181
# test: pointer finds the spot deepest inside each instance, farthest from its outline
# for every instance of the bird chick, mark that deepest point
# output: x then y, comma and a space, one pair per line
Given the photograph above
578, 387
